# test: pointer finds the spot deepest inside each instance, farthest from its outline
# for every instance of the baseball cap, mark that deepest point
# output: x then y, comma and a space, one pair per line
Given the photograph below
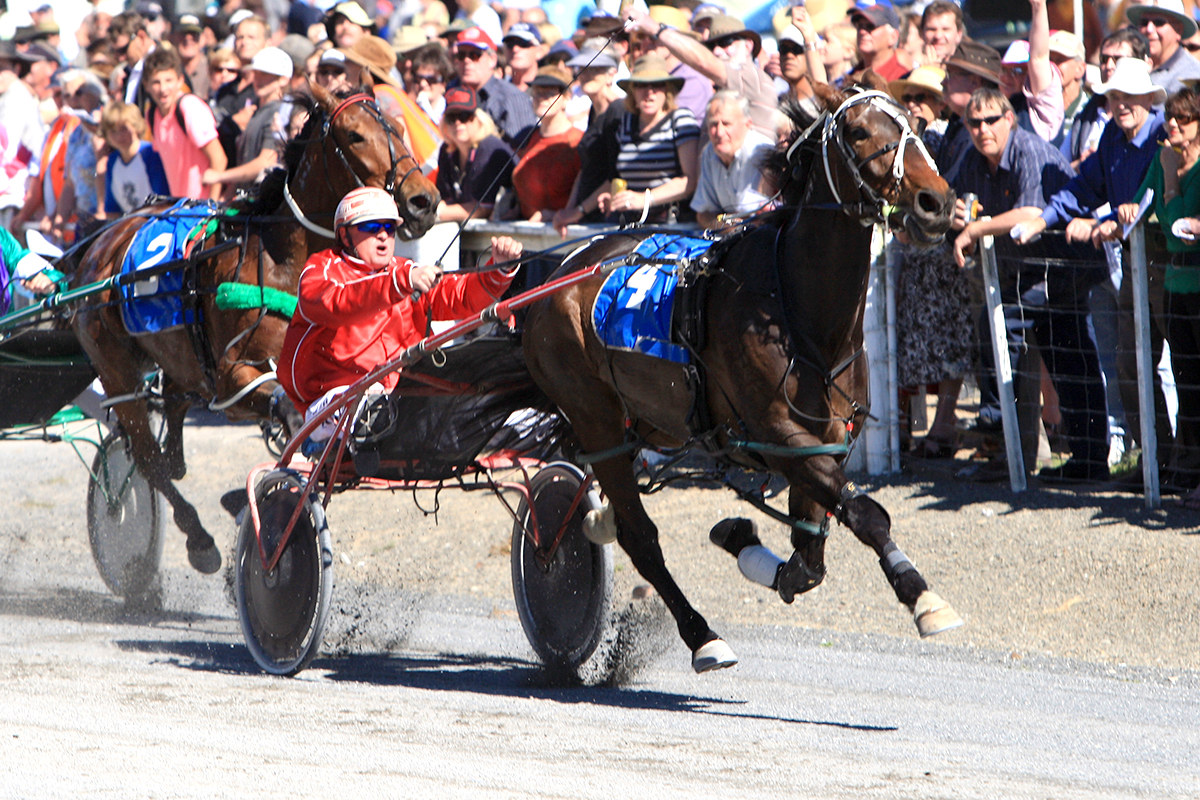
150, 11
189, 23
524, 32
554, 77
878, 14
477, 38
1017, 53
462, 100
273, 61
39, 51
353, 12
590, 58
1067, 44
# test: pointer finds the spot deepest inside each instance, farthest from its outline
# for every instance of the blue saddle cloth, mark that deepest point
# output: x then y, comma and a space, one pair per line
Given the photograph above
634, 307
156, 304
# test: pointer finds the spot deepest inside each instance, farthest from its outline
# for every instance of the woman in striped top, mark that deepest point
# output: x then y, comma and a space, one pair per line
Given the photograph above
659, 148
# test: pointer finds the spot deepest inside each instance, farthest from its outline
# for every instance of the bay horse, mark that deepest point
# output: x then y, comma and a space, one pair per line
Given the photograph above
783, 372
226, 355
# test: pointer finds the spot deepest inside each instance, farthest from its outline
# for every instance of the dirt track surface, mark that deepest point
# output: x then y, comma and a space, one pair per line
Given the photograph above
1048, 573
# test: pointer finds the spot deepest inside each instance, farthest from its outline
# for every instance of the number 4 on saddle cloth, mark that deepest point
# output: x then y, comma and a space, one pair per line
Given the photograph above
635, 307
156, 304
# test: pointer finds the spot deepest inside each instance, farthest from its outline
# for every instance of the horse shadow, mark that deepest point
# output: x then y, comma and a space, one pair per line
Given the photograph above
1110, 506
79, 605
495, 676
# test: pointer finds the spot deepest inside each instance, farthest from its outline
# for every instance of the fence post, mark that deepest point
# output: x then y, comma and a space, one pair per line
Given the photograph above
891, 281
1004, 372
874, 452
1145, 368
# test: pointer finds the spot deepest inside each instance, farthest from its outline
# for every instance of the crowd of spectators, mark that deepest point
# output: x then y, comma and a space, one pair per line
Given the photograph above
665, 115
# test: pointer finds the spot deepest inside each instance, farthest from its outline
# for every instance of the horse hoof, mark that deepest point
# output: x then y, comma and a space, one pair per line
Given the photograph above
713, 655
600, 525
934, 615
205, 560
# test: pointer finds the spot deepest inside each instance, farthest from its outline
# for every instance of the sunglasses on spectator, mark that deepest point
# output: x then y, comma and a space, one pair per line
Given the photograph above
225, 68
1181, 119
468, 53
326, 72
521, 43
978, 122
1192, 47
122, 51
430, 79
919, 97
658, 87
1158, 22
791, 49
374, 226
460, 116
865, 25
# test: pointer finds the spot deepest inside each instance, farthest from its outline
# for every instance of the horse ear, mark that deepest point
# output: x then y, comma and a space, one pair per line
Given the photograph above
367, 80
873, 80
830, 97
323, 96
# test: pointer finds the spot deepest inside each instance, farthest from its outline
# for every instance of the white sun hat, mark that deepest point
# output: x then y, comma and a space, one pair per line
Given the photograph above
1132, 76
1172, 9
273, 61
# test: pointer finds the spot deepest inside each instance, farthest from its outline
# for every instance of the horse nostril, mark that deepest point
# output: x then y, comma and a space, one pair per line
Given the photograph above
420, 202
929, 203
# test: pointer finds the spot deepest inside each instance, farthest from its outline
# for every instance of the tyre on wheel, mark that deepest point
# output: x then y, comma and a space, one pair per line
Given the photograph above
563, 592
124, 525
283, 611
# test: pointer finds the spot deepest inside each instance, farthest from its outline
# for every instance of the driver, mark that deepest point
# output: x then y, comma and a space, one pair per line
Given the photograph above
17, 264
356, 307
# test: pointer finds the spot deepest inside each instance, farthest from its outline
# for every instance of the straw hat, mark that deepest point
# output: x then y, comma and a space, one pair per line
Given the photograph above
1172, 9
1132, 76
409, 38
922, 79
650, 69
377, 56
725, 29
675, 18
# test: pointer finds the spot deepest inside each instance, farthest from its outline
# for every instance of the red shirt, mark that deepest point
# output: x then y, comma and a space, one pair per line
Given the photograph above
351, 318
546, 173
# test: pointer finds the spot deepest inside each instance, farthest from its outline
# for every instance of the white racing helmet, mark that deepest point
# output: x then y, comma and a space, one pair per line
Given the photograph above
363, 205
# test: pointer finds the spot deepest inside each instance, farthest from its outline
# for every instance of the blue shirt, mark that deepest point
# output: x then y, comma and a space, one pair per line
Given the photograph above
1111, 175
510, 108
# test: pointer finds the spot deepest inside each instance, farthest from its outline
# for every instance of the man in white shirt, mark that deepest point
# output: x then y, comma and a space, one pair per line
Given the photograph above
731, 162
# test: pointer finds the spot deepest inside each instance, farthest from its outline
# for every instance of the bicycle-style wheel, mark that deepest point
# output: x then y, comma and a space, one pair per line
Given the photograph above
124, 525
563, 593
283, 611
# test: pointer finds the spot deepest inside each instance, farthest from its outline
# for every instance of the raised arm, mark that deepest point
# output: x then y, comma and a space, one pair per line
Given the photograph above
1040, 69
683, 47
812, 52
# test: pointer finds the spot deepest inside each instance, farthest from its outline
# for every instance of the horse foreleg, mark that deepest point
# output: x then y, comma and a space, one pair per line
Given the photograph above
638, 536
202, 550
803, 571
175, 409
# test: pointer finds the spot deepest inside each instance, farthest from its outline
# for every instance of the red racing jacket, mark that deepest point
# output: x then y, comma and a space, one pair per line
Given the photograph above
351, 318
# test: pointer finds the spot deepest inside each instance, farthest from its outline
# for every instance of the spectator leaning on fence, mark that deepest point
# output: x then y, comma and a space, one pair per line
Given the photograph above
549, 164
1174, 177
474, 163
1089, 124
1015, 173
135, 170
731, 162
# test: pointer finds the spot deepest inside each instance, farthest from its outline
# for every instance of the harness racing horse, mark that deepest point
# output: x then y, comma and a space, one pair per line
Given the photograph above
784, 374
225, 355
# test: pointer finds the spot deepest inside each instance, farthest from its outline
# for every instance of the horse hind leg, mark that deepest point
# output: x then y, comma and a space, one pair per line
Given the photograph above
174, 410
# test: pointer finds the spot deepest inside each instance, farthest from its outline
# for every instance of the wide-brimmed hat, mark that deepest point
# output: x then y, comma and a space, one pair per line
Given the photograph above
650, 69
675, 18
377, 56
591, 58
977, 59
1132, 76
39, 51
922, 79
409, 38
878, 14
1172, 9
461, 100
554, 77
724, 29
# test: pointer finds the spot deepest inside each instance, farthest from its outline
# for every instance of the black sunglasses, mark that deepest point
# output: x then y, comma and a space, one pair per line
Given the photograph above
919, 97
1181, 119
430, 79
465, 53
374, 226
460, 116
791, 49
979, 122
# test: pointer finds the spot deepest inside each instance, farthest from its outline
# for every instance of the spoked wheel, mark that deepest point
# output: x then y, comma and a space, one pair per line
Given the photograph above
283, 611
563, 593
124, 526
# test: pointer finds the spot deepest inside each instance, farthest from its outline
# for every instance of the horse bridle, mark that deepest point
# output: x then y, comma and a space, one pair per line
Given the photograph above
390, 185
876, 207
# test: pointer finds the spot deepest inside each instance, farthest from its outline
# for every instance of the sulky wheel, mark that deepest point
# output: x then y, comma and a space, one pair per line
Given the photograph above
562, 594
124, 526
283, 611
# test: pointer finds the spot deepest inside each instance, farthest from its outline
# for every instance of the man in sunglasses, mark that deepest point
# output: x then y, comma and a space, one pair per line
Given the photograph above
800, 64
1015, 174
878, 29
509, 107
1165, 24
359, 305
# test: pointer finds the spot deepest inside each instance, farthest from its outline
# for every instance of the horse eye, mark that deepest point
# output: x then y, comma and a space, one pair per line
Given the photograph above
855, 135
355, 138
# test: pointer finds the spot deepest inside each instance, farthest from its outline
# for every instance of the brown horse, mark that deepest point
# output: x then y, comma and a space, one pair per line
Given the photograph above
784, 374
226, 355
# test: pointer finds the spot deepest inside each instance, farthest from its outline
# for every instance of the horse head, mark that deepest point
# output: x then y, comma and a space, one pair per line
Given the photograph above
875, 165
350, 136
